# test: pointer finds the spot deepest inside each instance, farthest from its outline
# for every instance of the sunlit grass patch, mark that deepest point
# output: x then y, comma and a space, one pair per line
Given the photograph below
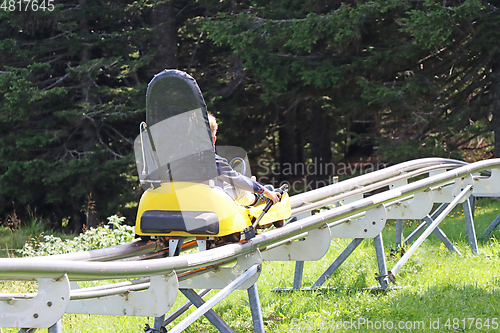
435, 286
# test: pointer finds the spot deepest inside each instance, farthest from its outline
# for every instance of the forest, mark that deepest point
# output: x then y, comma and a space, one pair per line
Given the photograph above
340, 84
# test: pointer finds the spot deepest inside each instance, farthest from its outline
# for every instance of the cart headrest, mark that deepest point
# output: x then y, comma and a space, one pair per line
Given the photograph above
176, 144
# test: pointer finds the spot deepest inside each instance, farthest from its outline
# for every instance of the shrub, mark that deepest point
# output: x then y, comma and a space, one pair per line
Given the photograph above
111, 234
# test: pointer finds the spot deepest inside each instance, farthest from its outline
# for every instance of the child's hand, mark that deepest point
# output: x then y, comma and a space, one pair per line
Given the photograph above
274, 196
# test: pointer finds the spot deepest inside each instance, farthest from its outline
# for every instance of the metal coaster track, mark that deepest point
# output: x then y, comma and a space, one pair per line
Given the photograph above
356, 208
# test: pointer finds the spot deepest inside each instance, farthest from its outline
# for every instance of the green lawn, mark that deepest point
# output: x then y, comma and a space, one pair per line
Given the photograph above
436, 291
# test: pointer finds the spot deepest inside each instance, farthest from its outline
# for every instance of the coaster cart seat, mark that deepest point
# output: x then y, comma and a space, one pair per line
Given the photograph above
175, 159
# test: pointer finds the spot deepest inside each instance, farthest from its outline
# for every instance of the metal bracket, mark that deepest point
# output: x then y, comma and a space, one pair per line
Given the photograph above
175, 245
370, 226
40, 311
398, 183
155, 301
417, 208
389, 275
488, 187
353, 198
446, 194
313, 247
222, 276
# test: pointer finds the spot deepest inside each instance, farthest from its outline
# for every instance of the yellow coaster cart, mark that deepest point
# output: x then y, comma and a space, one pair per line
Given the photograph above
175, 159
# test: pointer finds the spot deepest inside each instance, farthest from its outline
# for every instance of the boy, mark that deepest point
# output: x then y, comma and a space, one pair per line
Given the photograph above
228, 175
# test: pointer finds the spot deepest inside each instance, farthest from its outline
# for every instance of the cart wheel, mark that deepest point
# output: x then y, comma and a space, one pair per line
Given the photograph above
279, 224
231, 238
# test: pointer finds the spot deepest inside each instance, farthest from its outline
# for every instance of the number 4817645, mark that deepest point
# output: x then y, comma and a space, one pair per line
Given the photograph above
471, 323
27, 5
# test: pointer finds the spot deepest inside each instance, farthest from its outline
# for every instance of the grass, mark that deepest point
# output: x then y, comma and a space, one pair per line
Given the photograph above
436, 290
12, 238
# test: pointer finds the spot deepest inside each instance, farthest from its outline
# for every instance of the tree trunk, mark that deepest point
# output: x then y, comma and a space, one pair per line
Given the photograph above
320, 147
165, 38
286, 144
495, 103
85, 55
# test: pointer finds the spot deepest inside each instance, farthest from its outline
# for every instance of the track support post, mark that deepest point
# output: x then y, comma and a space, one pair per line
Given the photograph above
56, 328
258, 321
399, 232
297, 276
337, 262
441, 235
383, 278
491, 227
211, 315
465, 192
208, 305
468, 206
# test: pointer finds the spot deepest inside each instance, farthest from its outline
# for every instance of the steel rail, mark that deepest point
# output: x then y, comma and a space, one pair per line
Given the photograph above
137, 250
353, 183
161, 253
107, 254
32, 268
110, 289
86, 294
371, 187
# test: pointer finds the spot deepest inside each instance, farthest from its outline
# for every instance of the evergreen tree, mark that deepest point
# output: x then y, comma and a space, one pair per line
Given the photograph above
70, 102
72, 94
290, 81
460, 60
404, 76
